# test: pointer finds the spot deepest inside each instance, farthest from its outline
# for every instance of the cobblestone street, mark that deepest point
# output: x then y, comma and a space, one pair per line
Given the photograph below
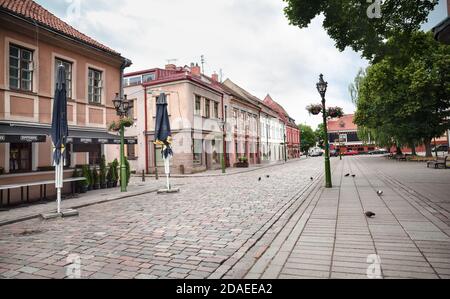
282, 226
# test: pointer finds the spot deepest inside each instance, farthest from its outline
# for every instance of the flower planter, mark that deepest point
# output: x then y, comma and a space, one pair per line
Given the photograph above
242, 165
83, 189
314, 109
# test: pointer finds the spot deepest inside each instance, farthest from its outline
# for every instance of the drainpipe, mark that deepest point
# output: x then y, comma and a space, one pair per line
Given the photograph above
146, 131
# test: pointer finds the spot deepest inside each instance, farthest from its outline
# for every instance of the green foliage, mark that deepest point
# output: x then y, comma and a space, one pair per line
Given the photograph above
103, 170
320, 135
128, 171
111, 176
87, 174
308, 138
348, 24
404, 99
115, 165
95, 177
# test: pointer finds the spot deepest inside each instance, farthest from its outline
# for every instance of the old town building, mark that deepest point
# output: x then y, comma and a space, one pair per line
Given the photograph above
292, 133
33, 43
195, 104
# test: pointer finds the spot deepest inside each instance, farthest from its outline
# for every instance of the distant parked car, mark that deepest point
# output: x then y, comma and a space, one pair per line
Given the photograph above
351, 153
441, 148
379, 152
316, 152
334, 153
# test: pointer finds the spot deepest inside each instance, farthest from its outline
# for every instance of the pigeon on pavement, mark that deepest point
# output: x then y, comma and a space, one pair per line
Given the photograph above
379, 192
370, 214
347, 175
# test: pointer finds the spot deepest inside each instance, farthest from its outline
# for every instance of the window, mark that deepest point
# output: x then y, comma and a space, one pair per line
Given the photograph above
68, 67
131, 151
198, 105
198, 151
135, 80
148, 77
207, 113
20, 68
95, 86
131, 113
20, 157
216, 110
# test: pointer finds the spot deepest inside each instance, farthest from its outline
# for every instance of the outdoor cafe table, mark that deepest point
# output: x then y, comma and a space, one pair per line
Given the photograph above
41, 184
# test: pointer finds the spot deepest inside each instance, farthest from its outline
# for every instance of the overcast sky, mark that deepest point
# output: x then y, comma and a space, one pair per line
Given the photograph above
250, 40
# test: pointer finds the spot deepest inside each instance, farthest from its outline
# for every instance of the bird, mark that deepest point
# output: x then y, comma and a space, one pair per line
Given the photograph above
347, 175
260, 179
312, 179
268, 176
354, 175
370, 214
379, 192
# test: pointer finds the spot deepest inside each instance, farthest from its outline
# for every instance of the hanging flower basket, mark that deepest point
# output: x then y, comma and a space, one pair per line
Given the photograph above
335, 112
314, 109
115, 125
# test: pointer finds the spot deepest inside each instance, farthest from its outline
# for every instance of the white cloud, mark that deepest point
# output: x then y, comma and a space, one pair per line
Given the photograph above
250, 40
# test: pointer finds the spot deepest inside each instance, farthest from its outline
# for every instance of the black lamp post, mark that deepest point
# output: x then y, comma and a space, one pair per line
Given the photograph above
123, 107
322, 88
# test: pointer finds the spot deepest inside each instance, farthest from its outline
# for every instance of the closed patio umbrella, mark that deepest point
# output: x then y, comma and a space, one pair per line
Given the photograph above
163, 134
60, 131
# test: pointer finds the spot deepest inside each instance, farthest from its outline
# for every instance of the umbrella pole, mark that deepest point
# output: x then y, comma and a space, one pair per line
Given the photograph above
167, 169
59, 174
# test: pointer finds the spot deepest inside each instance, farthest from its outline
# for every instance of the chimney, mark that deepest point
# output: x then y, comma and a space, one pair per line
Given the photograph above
171, 67
215, 77
195, 70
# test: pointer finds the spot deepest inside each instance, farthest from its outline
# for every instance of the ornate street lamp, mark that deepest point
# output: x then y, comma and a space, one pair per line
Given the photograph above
122, 106
322, 89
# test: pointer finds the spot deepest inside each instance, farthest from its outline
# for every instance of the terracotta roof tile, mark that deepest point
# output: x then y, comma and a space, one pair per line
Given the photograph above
35, 12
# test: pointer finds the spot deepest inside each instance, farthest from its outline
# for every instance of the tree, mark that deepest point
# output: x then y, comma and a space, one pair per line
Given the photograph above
350, 23
320, 135
405, 98
308, 138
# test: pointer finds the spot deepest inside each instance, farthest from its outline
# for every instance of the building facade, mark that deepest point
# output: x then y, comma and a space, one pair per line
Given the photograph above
343, 136
195, 104
33, 43
291, 136
243, 137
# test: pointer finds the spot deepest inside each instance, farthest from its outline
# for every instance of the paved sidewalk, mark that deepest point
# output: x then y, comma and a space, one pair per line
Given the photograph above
330, 237
34, 210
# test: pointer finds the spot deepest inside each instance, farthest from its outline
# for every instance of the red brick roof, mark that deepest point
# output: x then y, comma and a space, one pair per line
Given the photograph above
344, 123
31, 10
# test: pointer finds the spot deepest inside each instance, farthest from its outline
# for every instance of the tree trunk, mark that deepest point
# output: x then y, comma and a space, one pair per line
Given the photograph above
429, 152
413, 150
399, 151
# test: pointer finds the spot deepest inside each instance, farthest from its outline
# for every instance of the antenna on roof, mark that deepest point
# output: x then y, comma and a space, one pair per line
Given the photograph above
202, 59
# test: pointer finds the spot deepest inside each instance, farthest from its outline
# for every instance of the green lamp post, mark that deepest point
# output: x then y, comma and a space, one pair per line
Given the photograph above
322, 88
122, 106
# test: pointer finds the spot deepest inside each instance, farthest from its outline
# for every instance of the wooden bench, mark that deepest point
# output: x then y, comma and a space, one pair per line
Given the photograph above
25, 189
440, 161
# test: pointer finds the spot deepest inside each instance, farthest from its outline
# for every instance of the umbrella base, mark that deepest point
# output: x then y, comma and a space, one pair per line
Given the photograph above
64, 214
166, 191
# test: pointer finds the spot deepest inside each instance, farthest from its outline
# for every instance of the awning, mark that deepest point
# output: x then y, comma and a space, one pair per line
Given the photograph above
26, 134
